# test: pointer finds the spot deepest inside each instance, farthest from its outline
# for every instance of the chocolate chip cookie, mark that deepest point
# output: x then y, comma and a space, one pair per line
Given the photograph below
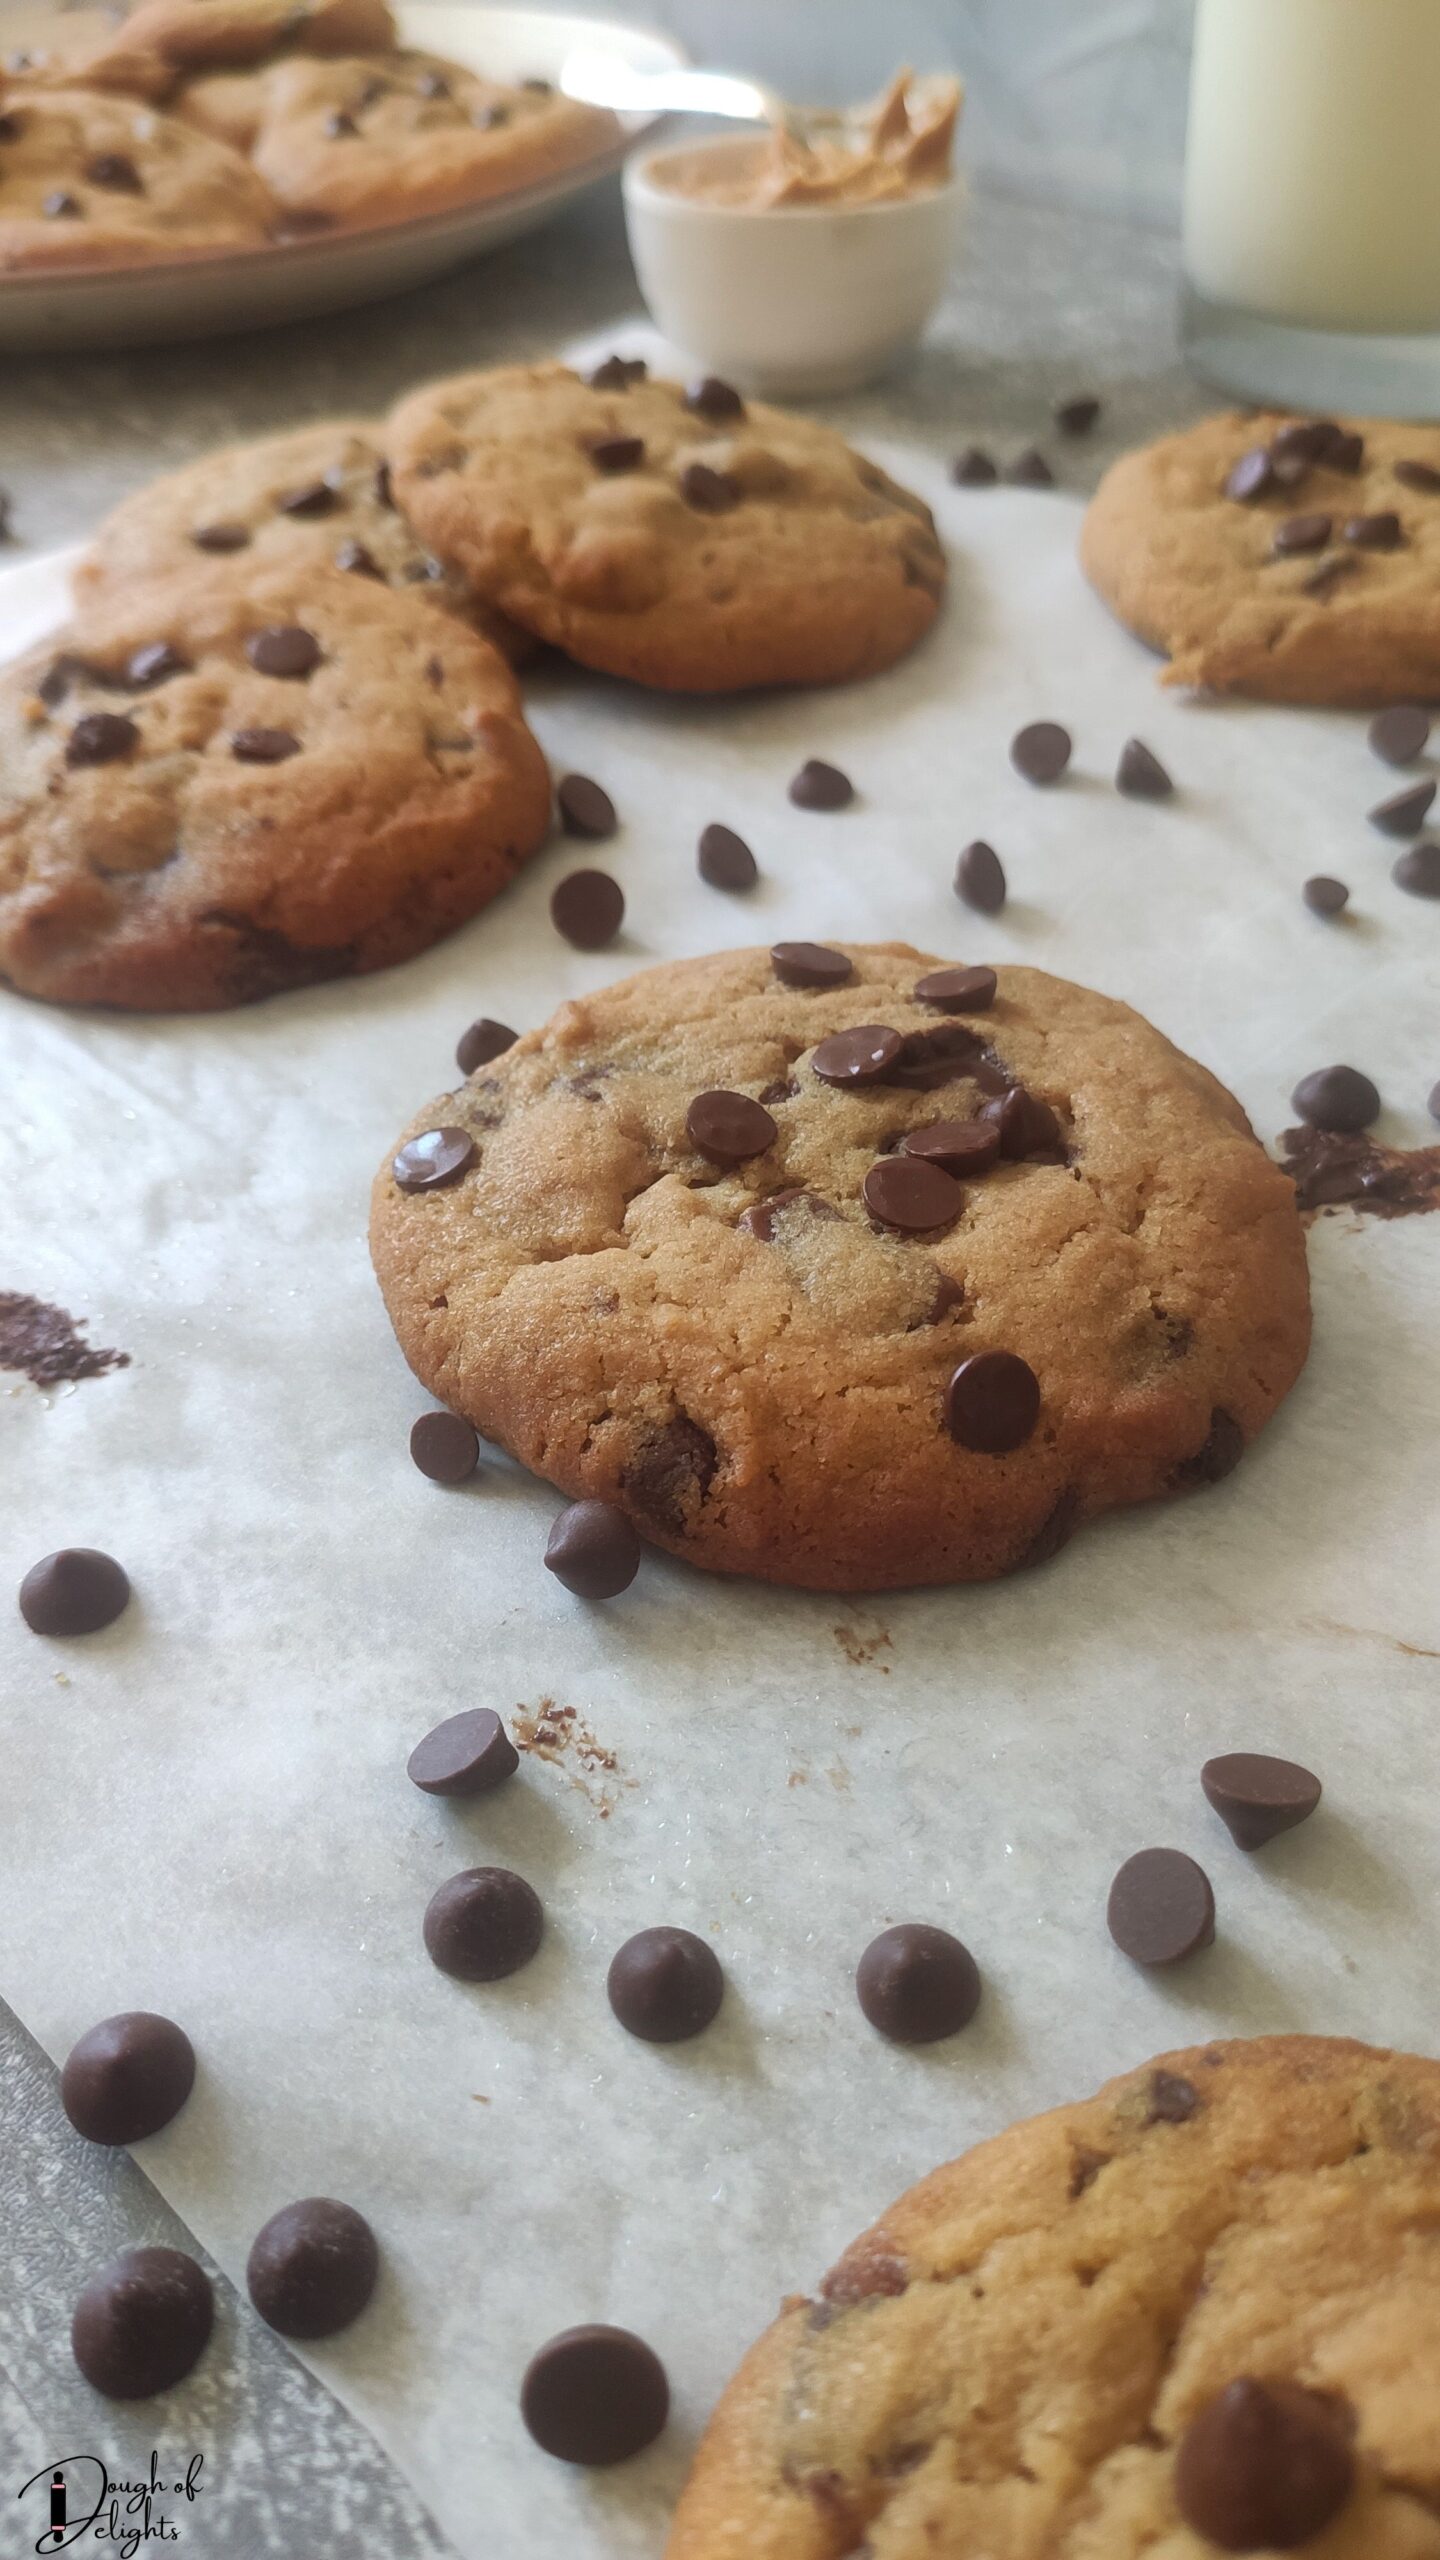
844, 1268
163, 40
210, 794
688, 540
1197, 2313
90, 180
1295, 560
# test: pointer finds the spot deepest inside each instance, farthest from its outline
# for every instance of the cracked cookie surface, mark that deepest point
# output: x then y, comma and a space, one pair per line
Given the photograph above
206, 797
689, 549
756, 1361
1007, 2362
1348, 615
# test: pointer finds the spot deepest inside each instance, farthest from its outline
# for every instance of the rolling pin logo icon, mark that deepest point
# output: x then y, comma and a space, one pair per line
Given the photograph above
57, 2507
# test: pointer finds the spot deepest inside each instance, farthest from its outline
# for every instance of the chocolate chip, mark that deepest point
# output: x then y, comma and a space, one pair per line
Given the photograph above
714, 399
1417, 475
156, 664
595, 2396
60, 205
1161, 1908
312, 2268
665, 1985
957, 990
221, 537
384, 492
1304, 440
1331, 573
1297, 534
821, 786
73, 1592
437, 1156
960, 1146
729, 1127
432, 84
1076, 417
617, 453
1251, 477
725, 860
1219, 1453
862, 1056
316, 498
101, 737
483, 1924
1141, 775
1344, 452
762, 1218
284, 650
1433, 1103
588, 908
467, 1755
1378, 532
1418, 871
593, 1549
483, 1041
916, 1984
1027, 1126
974, 468
907, 1193
1265, 2466
671, 1471
142, 2323
112, 169
710, 492
489, 119
445, 1447
1404, 814
617, 373
1256, 1797
1399, 735
585, 809
992, 1403
339, 126
1336, 1098
263, 746
1041, 752
11, 126
127, 2077
1030, 470
541, 89
810, 964
1324, 896
361, 563
929, 1059
980, 878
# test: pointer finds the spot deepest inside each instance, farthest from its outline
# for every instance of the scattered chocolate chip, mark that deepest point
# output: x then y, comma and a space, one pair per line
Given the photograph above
1404, 814
1041, 752
1027, 1126
113, 170
127, 2077
1297, 534
60, 205
916, 1984
992, 1403
1030, 470
617, 453
1379, 532
1161, 1908
711, 398
1251, 477
360, 563
907, 1193
1418, 871
1256, 1797
1172, 2100
957, 990
725, 860
142, 2323
1076, 416
585, 809
467, 1755
316, 498
483, 1924
821, 786
595, 2396
593, 1549
762, 1218
617, 373
710, 492
588, 908
73, 1592
960, 1146
284, 650
1399, 735
221, 537
101, 737
156, 664
862, 1056
1336, 1098
1141, 775
810, 964
729, 1127
483, 1041
312, 2268
1417, 475
974, 468
437, 1156
445, 1447
665, 1985
263, 746
1324, 896
1265, 2466
980, 879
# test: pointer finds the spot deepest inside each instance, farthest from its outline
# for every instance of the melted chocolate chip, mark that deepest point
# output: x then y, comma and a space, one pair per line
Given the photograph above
263, 746
445, 1447
810, 964
1172, 2100
665, 1985
593, 1549
728, 1128
992, 1403
1296, 535
467, 1755
762, 1219
594, 2396
710, 492
916, 1984
725, 860
617, 453
1161, 1907
127, 2077
671, 1472
483, 1924
821, 786
980, 878
862, 1056
312, 2268
283, 650
142, 2323
1379, 532
907, 1193
1219, 1453
1041, 752
960, 1146
957, 990
1336, 1098
588, 908
585, 808
113, 170
436, 1157
1027, 1126
1265, 2466
74, 1592
1258, 1797
101, 737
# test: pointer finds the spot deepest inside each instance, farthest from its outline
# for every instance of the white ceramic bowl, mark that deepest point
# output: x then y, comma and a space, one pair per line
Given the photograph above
793, 301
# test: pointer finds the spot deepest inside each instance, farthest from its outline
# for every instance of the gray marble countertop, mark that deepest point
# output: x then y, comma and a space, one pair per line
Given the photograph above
1043, 305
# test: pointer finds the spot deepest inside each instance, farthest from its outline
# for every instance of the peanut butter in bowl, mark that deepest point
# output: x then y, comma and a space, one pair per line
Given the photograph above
898, 146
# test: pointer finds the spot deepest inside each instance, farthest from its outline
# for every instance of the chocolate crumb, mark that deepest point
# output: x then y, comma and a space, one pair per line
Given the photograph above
46, 1344
1348, 1169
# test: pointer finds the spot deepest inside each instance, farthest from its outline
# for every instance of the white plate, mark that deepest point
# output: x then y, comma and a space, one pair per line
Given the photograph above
252, 288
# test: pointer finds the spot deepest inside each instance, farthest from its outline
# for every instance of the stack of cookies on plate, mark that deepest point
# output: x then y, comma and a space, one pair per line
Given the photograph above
200, 126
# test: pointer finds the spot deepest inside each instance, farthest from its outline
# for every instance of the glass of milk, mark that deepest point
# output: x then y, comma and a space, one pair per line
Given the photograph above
1312, 203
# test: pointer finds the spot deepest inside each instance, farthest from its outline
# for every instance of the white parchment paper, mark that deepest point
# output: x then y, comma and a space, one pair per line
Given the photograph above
205, 1810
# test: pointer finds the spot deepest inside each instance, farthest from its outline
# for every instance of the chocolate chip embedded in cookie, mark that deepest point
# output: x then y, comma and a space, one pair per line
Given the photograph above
816, 568
818, 1281
329, 780
1194, 2314
98, 181
1296, 562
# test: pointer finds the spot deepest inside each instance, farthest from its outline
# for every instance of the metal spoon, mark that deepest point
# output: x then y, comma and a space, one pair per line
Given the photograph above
601, 79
